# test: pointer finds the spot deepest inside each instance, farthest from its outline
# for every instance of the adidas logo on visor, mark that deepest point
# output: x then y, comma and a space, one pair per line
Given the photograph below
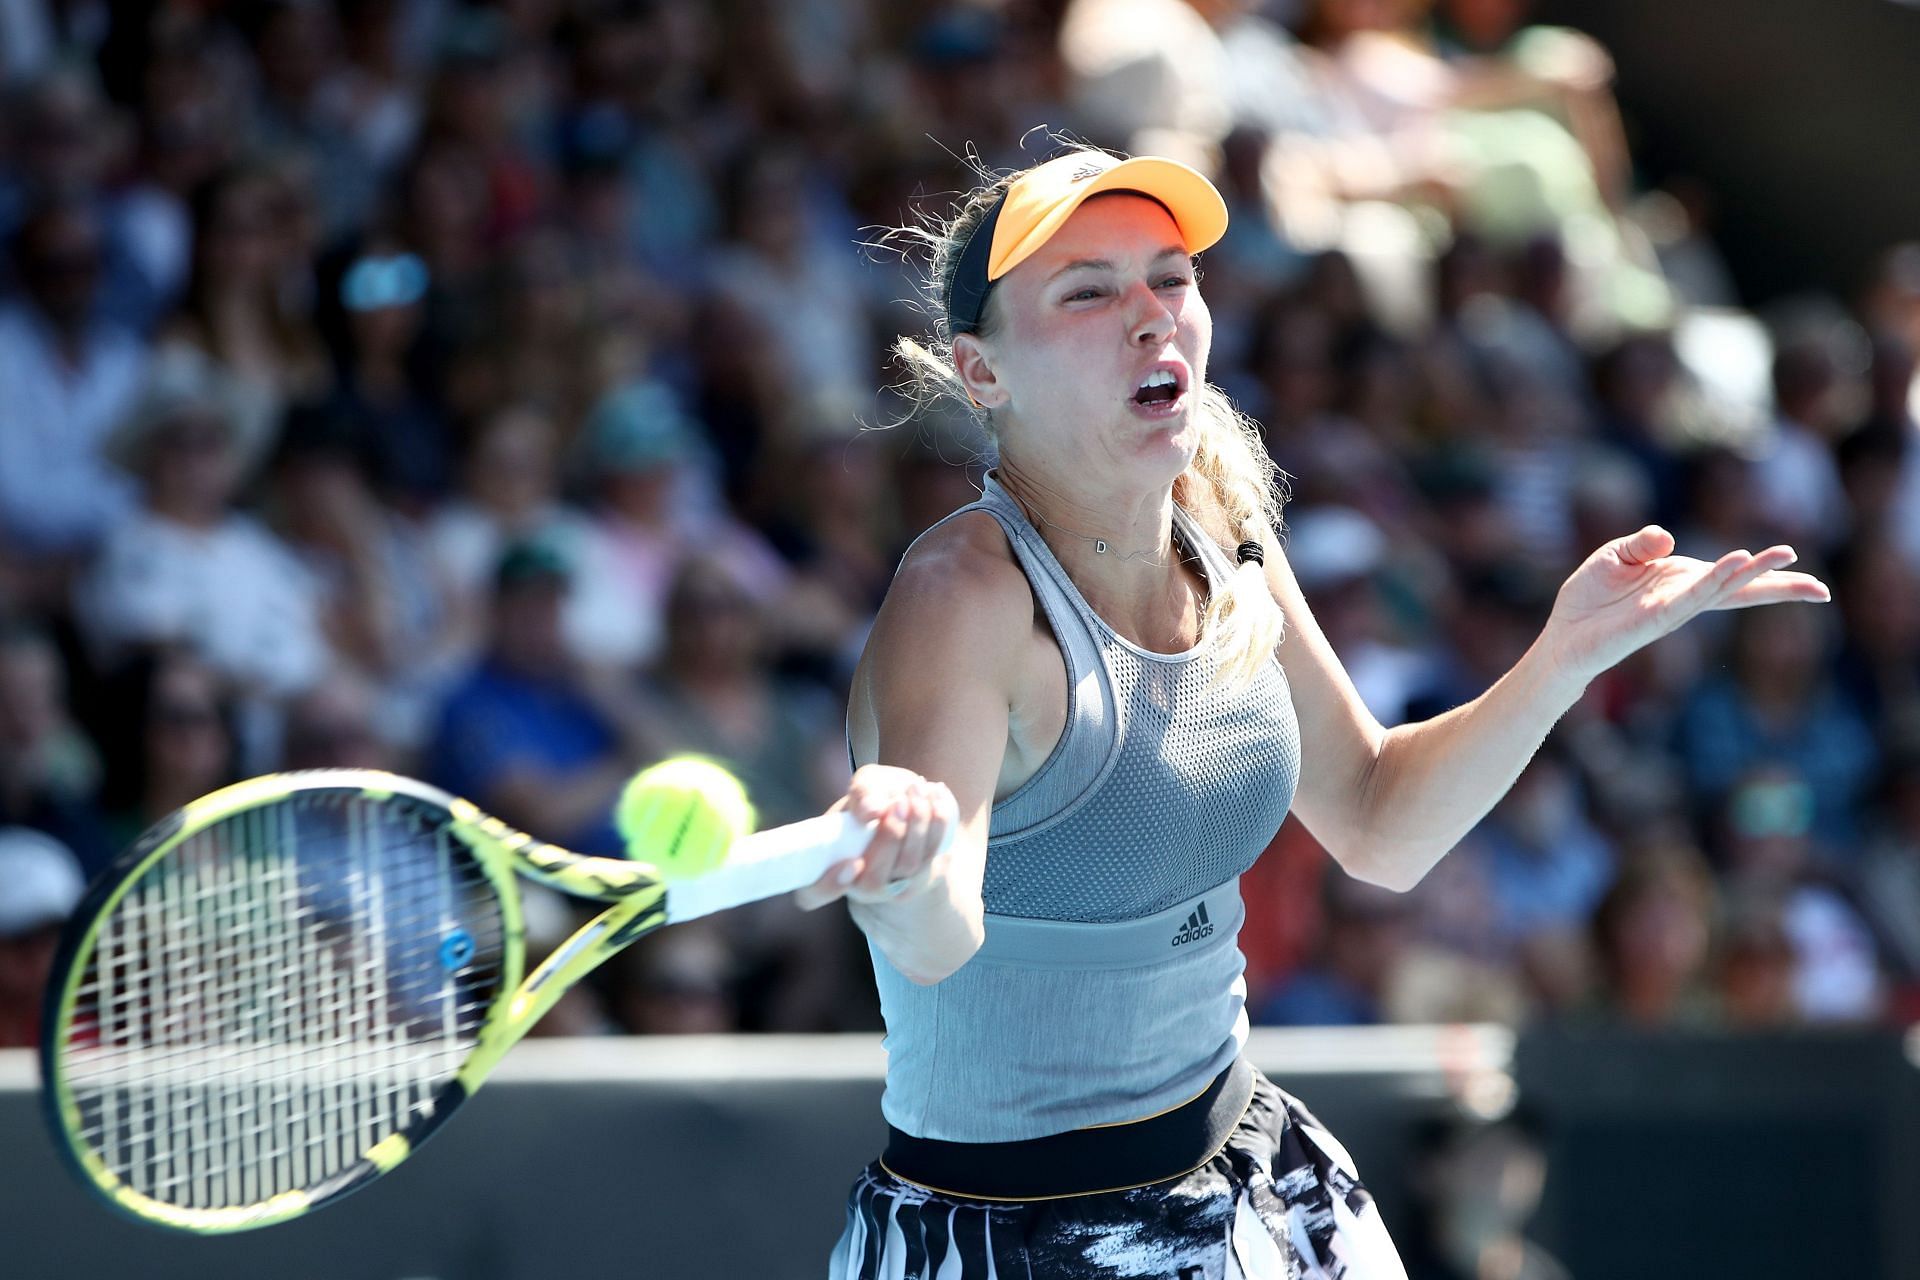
1086, 171
1196, 927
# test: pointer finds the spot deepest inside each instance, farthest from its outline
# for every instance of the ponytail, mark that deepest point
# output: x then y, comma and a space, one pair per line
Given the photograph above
1235, 492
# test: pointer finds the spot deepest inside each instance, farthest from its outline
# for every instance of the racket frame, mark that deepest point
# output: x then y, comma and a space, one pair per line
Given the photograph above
502, 855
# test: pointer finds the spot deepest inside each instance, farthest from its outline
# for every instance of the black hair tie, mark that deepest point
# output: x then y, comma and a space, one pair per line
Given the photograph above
1251, 551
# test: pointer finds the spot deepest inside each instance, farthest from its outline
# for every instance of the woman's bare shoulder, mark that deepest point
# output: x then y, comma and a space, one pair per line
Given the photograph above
949, 640
960, 578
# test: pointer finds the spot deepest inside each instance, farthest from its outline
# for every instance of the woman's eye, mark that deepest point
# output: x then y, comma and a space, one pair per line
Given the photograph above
1175, 282
1081, 295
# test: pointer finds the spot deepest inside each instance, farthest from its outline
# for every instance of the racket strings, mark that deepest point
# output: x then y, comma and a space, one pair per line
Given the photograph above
280, 992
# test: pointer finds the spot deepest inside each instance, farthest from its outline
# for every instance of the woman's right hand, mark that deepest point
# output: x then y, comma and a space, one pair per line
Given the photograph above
910, 816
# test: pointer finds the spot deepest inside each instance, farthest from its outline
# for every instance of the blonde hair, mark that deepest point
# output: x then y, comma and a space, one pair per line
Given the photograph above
1232, 488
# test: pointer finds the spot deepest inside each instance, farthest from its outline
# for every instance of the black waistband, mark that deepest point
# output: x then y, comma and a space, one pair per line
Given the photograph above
1081, 1161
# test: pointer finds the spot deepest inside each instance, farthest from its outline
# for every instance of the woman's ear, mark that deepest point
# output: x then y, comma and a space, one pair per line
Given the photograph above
975, 367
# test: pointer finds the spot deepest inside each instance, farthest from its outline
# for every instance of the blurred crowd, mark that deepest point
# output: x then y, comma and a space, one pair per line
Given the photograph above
498, 394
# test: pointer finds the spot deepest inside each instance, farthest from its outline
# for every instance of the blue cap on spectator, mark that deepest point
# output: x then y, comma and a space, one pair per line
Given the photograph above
958, 37
596, 139
383, 280
40, 881
473, 37
532, 560
638, 427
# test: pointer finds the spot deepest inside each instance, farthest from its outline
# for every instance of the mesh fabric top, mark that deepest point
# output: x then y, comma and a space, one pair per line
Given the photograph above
1109, 985
1163, 785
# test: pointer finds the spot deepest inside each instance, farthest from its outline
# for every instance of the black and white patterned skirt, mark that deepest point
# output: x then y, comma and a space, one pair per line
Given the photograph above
1281, 1201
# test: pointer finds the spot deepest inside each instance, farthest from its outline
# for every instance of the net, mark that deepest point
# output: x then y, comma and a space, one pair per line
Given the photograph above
277, 994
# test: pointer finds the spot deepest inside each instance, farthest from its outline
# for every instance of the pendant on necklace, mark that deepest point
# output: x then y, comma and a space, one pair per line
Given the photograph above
1099, 546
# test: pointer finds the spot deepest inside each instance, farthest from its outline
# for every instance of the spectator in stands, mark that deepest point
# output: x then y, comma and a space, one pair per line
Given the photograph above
40, 884
1341, 559
1776, 704
443, 212
469, 104
676, 982
1380, 391
807, 304
190, 567
1476, 136
1558, 72
1722, 505
1531, 436
1634, 383
1678, 220
1886, 884
382, 604
1175, 77
250, 252
304, 107
340, 723
510, 491
1881, 460
1766, 833
1891, 376
1892, 302
638, 456
833, 517
1486, 623
1547, 868
168, 728
1652, 934
523, 734
190, 91
70, 372
1290, 352
379, 45
1877, 664
714, 692
71, 143
556, 336
1794, 470
1253, 261
1754, 969
1363, 949
1456, 968
49, 770
371, 309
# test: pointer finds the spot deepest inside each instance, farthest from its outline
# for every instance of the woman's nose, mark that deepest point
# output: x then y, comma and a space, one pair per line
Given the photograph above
1150, 320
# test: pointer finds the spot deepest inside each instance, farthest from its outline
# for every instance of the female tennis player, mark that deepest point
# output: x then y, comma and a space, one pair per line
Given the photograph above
1105, 673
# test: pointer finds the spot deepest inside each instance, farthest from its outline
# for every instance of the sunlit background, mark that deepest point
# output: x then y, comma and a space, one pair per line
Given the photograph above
499, 395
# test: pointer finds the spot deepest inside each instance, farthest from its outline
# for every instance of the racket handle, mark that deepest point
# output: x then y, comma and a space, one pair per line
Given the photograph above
769, 863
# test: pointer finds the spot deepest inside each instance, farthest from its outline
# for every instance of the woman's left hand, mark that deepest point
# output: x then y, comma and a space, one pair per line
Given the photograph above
1634, 590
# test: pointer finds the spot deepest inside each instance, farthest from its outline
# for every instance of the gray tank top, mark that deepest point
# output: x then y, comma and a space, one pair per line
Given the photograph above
1110, 985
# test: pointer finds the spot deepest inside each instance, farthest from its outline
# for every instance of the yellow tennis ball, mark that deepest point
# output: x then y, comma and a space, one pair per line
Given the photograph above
682, 815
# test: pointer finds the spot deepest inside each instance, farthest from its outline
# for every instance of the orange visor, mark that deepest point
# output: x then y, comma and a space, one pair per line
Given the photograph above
1039, 202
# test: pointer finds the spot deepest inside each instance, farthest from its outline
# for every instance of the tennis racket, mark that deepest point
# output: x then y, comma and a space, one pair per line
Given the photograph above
282, 990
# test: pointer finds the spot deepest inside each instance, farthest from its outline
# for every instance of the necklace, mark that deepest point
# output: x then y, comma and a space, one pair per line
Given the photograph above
1101, 546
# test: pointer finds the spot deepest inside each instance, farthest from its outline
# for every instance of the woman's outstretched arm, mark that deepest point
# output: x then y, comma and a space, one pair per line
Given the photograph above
1389, 803
930, 710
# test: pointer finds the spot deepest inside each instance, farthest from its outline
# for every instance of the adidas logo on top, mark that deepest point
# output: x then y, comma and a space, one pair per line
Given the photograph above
1196, 927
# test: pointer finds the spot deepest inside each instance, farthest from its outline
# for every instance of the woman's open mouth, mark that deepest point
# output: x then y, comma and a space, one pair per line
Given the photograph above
1162, 392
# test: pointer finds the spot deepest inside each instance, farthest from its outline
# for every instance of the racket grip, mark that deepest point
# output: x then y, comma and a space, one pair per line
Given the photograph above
769, 863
